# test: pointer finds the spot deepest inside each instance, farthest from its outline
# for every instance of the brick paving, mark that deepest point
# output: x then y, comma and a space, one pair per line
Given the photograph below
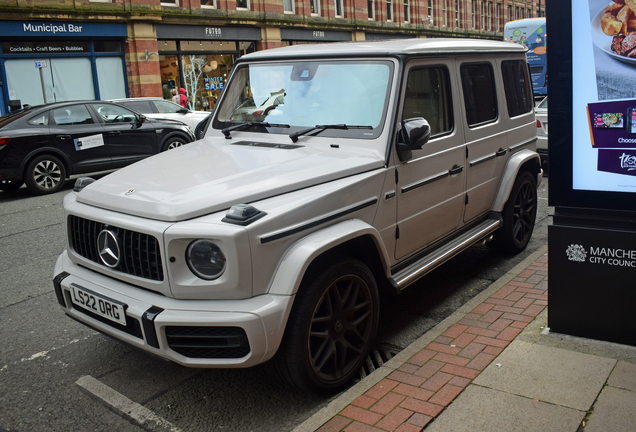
412, 396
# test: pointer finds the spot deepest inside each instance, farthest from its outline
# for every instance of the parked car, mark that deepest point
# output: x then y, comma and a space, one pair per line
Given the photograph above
157, 108
541, 113
249, 111
273, 239
43, 145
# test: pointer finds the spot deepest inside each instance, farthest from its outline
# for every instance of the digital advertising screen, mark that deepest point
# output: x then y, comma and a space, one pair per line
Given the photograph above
592, 107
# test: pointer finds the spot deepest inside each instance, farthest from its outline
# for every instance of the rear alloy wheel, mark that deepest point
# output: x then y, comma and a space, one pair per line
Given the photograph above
519, 215
45, 174
173, 143
10, 185
331, 328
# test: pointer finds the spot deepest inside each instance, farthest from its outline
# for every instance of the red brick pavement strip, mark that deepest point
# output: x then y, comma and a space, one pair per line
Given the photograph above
418, 391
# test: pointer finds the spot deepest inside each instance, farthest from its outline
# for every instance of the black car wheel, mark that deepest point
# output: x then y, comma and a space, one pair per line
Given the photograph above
331, 328
45, 174
519, 215
10, 185
173, 142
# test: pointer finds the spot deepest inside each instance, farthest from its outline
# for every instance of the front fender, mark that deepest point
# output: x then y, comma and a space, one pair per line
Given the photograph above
297, 259
513, 167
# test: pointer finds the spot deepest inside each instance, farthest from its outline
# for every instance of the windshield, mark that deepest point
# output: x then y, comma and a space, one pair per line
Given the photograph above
305, 94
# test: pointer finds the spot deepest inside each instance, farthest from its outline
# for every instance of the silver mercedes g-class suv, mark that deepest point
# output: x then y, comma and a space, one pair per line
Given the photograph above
327, 174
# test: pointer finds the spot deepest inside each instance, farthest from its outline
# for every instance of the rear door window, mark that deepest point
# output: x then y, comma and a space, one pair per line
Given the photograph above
480, 97
72, 115
517, 87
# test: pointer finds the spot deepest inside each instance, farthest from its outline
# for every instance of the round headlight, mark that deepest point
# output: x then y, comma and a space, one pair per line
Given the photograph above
205, 259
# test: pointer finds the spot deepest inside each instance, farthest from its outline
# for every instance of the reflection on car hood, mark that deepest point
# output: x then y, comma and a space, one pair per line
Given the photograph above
213, 174
158, 121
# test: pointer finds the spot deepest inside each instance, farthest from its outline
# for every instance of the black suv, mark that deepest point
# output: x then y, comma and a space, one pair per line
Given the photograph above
43, 145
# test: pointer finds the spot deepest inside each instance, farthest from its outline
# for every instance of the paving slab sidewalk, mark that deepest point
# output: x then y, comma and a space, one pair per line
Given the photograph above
414, 387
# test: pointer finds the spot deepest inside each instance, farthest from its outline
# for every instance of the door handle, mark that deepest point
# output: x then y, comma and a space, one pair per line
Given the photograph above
456, 169
501, 152
63, 137
114, 133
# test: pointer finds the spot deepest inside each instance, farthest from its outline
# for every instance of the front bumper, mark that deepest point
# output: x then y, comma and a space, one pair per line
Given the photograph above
245, 332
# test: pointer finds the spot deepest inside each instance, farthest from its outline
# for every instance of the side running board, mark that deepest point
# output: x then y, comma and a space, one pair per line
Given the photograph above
409, 274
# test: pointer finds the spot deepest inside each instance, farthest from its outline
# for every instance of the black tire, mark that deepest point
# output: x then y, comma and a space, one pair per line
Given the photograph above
173, 142
519, 215
331, 328
45, 174
10, 185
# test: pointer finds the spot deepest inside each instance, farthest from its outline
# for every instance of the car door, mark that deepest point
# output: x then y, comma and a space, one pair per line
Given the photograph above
76, 132
431, 182
127, 138
484, 124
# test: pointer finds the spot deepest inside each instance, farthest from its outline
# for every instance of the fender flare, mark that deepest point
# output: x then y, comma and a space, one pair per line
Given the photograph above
295, 262
50, 151
173, 134
513, 167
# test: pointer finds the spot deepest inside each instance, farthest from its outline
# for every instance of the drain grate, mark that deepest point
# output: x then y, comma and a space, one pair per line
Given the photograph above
379, 355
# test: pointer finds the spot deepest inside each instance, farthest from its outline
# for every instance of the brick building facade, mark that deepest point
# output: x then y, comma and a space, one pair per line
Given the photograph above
161, 43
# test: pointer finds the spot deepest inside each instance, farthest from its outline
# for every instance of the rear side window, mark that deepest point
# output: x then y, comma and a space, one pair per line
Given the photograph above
72, 115
480, 98
39, 120
428, 95
517, 87
142, 107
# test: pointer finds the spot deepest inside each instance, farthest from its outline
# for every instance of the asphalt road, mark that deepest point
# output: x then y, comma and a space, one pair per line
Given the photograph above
44, 355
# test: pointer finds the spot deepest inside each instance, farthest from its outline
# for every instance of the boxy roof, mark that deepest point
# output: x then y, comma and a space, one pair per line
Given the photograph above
389, 47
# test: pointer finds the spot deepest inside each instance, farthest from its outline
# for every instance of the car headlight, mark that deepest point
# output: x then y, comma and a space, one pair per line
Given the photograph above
205, 259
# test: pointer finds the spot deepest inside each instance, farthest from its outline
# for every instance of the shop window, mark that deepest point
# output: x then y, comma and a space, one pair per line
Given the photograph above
371, 9
242, 4
208, 3
315, 6
110, 76
204, 78
289, 6
480, 97
338, 7
407, 11
389, 10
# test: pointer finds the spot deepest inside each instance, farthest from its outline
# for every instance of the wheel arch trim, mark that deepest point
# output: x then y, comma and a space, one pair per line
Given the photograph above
516, 162
47, 151
295, 262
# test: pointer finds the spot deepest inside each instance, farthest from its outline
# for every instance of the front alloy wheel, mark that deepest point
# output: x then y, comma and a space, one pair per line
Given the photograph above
331, 327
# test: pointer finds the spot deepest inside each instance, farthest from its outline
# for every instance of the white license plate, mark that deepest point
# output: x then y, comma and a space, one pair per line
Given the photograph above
99, 304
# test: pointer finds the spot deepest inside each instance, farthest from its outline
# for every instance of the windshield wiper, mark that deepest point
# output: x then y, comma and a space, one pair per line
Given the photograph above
319, 128
242, 126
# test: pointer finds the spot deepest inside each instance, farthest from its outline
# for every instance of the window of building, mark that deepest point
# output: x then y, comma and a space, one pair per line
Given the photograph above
242, 4
480, 97
371, 9
208, 3
430, 11
489, 16
472, 12
169, 2
315, 6
509, 13
483, 17
445, 12
497, 18
389, 10
529, 13
407, 12
338, 7
517, 87
110, 77
428, 95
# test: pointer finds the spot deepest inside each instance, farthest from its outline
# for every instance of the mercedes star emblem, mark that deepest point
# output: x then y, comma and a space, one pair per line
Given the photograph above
108, 248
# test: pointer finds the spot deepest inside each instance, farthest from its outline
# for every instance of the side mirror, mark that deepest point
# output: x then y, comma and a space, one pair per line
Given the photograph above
414, 133
183, 111
141, 118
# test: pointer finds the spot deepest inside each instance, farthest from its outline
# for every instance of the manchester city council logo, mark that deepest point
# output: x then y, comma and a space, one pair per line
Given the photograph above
576, 253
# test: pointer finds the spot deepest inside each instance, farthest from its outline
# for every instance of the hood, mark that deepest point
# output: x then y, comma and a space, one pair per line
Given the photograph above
214, 174
182, 91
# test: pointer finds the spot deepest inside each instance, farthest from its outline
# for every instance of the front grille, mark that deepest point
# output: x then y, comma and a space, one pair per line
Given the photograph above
132, 326
208, 342
140, 254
